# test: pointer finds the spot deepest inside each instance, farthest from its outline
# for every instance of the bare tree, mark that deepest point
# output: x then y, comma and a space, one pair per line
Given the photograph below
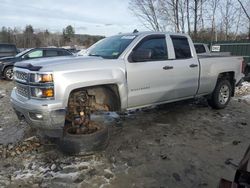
183, 14
188, 18
239, 15
173, 12
213, 5
174, 7
201, 14
247, 13
195, 17
229, 12
146, 11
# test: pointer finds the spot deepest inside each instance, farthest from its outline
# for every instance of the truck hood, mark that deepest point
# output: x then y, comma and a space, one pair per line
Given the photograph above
8, 59
56, 63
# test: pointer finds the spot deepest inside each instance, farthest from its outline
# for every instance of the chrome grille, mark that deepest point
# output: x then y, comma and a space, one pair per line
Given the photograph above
22, 90
21, 76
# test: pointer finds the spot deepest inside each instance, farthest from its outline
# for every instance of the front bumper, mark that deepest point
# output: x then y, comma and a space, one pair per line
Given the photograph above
53, 115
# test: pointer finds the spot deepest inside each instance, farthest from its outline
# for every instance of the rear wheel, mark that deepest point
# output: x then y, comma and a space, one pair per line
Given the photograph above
221, 95
8, 73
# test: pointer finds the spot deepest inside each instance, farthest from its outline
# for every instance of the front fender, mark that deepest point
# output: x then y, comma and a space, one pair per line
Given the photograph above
69, 81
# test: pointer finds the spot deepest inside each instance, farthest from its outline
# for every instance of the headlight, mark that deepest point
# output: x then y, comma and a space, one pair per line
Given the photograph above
41, 78
38, 92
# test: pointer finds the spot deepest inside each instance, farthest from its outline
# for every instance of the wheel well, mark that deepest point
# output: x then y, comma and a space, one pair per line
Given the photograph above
230, 77
103, 93
4, 68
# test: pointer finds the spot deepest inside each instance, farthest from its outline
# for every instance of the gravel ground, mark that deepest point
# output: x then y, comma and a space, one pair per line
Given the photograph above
184, 144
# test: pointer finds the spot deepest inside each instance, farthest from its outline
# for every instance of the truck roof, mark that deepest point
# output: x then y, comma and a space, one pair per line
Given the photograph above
153, 32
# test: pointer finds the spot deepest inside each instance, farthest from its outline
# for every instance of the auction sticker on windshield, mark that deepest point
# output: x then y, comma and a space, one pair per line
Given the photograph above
128, 37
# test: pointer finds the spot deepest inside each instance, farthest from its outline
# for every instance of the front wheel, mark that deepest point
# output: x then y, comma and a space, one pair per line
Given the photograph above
221, 95
8, 73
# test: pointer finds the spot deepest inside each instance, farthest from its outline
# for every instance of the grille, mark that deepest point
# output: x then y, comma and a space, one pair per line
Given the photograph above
22, 90
21, 76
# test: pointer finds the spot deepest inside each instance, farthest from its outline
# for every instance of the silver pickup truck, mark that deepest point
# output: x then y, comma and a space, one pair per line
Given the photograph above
122, 72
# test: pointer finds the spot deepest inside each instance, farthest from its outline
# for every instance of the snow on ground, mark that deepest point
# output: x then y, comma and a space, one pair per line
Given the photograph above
242, 93
183, 144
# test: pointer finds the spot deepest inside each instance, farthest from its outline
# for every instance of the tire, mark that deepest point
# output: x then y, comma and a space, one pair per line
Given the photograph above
221, 95
82, 144
8, 73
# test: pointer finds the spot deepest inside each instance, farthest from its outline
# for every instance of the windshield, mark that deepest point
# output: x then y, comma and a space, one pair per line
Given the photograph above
22, 53
111, 47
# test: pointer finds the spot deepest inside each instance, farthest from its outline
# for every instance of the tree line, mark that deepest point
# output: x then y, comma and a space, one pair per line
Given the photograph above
204, 20
30, 37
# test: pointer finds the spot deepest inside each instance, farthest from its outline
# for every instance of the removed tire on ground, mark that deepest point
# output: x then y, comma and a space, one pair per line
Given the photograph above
81, 144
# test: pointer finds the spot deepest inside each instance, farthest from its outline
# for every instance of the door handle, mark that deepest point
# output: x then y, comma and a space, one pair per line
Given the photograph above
193, 65
167, 67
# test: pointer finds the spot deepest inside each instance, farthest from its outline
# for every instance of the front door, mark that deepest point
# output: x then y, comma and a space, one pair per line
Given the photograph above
150, 80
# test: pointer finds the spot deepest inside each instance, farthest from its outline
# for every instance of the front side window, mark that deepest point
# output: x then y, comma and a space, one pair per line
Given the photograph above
111, 47
157, 46
181, 47
35, 54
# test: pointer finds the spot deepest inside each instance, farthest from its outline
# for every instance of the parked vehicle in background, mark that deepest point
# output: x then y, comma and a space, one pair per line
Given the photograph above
8, 50
71, 49
7, 63
122, 72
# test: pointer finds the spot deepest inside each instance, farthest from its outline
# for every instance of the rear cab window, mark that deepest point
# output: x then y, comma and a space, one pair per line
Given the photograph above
181, 47
200, 48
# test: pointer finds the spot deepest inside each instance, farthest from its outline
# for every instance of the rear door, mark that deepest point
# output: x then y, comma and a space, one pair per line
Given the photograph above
186, 68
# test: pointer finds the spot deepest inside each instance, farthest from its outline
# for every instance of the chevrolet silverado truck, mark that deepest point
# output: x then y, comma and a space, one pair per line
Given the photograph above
119, 73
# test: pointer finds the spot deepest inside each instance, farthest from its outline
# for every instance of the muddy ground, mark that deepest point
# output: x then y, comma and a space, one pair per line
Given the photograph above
185, 144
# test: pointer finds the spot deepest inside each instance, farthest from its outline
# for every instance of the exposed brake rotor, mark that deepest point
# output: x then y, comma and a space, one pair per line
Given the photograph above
80, 106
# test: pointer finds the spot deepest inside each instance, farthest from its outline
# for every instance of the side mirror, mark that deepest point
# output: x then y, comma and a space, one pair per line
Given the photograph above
26, 57
141, 55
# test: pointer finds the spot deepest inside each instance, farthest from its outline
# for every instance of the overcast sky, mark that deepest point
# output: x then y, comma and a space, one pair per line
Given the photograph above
103, 17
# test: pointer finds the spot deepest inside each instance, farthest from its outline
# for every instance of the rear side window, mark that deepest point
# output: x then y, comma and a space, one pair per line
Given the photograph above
157, 46
51, 53
199, 48
181, 47
63, 53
